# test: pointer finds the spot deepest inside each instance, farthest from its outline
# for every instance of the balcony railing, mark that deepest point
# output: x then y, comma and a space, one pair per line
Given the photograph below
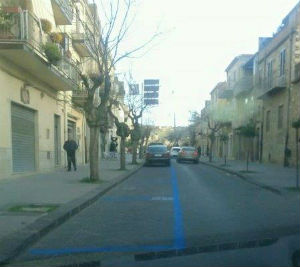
243, 85
82, 42
271, 85
21, 38
63, 12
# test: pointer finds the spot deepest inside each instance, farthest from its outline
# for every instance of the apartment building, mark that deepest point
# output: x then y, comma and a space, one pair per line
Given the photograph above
277, 76
43, 49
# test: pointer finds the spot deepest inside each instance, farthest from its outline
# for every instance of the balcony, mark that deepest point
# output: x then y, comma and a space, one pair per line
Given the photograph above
296, 77
63, 12
243, 86
21, 42
271, 86
81, 43
79, 97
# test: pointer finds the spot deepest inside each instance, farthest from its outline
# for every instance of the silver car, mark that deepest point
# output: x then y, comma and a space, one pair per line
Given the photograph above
188, 153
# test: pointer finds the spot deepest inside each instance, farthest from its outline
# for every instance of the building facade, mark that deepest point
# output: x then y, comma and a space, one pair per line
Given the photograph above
42, 51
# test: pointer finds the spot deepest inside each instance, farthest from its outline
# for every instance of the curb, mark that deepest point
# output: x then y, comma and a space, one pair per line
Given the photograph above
14, 244
244, 178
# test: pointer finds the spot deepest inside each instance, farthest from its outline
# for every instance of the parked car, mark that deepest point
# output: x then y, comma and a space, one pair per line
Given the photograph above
174, 151
158, 154
156, 144
188, 153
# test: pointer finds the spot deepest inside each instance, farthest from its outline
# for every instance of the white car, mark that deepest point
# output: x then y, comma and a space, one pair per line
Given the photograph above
174, 151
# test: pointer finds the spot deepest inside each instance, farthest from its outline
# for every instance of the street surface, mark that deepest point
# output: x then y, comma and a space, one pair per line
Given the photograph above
183, 215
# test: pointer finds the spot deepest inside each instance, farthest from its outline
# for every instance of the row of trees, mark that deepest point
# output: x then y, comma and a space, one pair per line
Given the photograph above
102, 97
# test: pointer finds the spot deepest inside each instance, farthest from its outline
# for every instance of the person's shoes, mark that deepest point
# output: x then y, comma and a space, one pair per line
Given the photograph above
69, 170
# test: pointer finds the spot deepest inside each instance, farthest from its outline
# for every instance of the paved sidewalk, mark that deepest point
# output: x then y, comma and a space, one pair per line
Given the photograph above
269, 175
60, 188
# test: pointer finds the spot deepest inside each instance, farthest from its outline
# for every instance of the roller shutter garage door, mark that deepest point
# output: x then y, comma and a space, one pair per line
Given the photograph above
23, 139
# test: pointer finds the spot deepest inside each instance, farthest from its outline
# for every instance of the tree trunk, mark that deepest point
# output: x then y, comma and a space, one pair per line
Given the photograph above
211, 150
247, 162
122, 154
103, 144
297, 158
94, 153
134, 152
141, 149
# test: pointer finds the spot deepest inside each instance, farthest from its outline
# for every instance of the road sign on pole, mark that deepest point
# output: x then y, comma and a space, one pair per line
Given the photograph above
151, 91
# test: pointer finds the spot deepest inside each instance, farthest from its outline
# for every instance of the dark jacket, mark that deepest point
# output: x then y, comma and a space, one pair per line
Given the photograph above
70, 146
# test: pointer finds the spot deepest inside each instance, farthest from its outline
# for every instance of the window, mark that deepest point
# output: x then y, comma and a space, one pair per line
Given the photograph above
268, 120
270, 73
282, 62
280, 116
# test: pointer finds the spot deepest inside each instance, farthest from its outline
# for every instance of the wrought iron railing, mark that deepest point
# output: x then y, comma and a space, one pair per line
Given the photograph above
24, 27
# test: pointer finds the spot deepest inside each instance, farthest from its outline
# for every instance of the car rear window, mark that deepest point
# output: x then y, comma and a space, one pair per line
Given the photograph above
188, 149
157, 149
175, 149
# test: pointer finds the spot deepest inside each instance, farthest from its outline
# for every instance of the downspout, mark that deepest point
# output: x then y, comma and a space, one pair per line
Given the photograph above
286, 156
65, 125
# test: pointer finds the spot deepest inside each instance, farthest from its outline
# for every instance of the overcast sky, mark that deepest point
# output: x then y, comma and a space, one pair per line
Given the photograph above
201, 38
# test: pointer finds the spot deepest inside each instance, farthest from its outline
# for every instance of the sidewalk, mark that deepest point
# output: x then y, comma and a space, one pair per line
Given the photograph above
60, 188
267, 175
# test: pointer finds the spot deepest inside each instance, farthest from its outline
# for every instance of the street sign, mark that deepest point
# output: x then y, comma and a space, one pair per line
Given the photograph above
151, 101
151, 91
134, 89
150, 95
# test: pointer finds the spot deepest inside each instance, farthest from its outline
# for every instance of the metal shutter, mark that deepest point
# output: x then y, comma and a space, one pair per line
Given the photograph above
23, 139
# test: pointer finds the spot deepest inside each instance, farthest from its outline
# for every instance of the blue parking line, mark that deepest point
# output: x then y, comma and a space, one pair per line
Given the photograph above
179, 237
179, 241
64, 251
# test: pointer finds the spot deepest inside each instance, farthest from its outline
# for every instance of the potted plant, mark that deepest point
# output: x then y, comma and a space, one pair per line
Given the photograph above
6, 22
56, 37
52, 53
46, 26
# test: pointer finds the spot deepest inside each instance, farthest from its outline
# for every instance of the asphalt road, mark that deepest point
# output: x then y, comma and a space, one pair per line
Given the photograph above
183, 215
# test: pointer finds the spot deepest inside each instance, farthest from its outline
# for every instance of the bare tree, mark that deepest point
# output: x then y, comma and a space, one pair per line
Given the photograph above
122, 130
136, 107
105, 41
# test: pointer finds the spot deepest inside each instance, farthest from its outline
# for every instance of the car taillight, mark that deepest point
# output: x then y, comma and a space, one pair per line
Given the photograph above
148, 155
182, 152
166, 155
195, 153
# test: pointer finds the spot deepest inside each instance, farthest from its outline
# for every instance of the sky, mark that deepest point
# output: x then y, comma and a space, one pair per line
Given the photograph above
200, 38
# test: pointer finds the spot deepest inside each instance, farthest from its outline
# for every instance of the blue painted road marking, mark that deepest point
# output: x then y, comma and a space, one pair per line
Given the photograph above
179, 241
179, 237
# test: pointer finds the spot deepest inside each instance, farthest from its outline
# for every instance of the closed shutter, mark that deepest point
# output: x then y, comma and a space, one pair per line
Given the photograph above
23, 139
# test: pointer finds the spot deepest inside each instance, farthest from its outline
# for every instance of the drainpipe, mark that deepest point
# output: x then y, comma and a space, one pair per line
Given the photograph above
65, 124
286, 160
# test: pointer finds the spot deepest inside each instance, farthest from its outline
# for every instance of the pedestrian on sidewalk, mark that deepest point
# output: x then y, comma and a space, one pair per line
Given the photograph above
71, 146
199, 150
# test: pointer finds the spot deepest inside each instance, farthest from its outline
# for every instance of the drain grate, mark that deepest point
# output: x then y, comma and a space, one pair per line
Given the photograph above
36, 208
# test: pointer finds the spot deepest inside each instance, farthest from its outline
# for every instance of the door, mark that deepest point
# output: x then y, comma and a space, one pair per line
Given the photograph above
57, 144
23, 138
72, 129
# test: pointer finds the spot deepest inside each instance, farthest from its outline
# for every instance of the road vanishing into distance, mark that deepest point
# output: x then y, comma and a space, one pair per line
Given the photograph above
183, 215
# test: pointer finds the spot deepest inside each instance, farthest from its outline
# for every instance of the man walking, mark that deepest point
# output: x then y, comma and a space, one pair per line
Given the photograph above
70, 146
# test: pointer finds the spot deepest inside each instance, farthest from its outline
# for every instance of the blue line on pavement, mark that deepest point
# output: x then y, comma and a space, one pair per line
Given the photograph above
64, 251
179, 241
126, 198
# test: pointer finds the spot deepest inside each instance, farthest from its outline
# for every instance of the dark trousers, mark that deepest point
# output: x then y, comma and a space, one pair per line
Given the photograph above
71, 160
